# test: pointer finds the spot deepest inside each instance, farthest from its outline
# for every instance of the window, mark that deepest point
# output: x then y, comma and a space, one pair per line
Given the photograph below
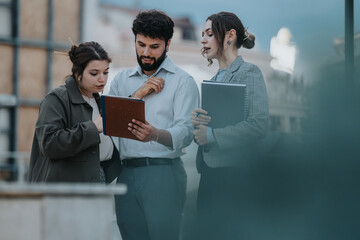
29, 33
5, 18
4, 142
294, 125
275, 123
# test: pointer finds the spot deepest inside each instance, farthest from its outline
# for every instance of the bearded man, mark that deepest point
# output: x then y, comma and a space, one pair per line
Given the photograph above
152, 168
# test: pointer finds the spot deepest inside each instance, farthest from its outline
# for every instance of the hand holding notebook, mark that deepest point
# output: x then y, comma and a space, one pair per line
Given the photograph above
118, 112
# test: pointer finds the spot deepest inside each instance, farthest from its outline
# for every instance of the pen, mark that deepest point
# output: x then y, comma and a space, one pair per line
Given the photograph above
197, 114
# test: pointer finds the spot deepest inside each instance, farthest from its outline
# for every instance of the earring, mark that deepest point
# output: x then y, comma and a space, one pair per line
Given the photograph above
228, 42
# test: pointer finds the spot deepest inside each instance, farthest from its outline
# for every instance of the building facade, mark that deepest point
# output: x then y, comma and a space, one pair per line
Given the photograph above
30, 32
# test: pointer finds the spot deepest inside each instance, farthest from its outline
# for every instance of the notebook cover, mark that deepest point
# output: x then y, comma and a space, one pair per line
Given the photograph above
117, 113
224, 102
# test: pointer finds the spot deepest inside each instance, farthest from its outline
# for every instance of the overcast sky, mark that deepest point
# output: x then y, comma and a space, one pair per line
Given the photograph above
313, 23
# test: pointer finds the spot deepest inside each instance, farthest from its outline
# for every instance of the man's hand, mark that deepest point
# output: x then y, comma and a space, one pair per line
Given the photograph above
153, 84
200, 135
144, 131
199, 117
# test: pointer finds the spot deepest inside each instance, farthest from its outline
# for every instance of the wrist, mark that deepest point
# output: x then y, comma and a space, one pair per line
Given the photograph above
156, 136
138, 94
210, 137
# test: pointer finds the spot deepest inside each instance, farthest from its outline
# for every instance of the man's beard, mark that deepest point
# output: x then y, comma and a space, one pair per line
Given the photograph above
154, 65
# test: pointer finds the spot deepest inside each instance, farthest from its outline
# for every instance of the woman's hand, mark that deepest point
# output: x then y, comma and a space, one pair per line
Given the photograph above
200, 135
199, 117
99, 124
153, 84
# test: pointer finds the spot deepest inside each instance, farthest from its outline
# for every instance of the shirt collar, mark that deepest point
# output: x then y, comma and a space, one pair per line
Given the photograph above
167, 65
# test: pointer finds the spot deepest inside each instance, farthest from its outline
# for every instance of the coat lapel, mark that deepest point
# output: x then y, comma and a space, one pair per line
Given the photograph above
233, 68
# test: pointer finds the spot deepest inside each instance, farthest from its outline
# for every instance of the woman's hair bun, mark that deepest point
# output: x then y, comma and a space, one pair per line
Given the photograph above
72, 53
249, 41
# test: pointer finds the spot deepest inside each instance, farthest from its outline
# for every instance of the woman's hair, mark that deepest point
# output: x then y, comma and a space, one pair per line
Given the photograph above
154, 24
81, 55
223, 22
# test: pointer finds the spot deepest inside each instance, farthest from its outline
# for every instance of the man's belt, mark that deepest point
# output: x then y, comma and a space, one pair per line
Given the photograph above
143, 162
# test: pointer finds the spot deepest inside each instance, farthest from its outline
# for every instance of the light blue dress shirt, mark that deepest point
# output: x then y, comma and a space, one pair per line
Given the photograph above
170, 109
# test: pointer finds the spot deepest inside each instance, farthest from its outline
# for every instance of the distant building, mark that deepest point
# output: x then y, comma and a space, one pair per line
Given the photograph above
287, 102
337, 63
30, 32
339, 46
283, 51
114, 33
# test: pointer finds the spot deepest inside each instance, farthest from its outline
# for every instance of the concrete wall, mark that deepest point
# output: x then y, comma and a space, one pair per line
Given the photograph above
57, 211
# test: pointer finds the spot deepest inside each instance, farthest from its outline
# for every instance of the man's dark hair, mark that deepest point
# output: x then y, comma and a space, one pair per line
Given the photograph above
153, 24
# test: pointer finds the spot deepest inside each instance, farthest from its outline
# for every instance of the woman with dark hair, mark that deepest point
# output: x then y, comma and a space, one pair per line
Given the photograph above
223, 152
68, 144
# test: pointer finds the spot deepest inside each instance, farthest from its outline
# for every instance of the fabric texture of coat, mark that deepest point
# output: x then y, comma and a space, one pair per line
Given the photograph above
236, 144
66, 141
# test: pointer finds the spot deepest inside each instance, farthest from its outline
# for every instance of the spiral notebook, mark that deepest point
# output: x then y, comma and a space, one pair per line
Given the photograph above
224, 102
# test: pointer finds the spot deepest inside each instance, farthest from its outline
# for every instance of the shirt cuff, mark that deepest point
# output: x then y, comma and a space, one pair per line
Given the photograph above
210, 136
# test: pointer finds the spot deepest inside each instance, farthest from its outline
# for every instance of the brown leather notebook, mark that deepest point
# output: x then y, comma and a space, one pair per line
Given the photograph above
117, 113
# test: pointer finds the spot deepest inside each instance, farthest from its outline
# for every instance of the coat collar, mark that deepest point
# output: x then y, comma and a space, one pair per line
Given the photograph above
233, 68
236, 64
74, 92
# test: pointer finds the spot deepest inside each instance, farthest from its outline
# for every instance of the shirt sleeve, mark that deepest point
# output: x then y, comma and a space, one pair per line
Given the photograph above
185, 101
56, 139
210, 136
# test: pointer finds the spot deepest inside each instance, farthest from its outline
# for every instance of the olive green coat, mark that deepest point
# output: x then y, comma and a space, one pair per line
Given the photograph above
66, 141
